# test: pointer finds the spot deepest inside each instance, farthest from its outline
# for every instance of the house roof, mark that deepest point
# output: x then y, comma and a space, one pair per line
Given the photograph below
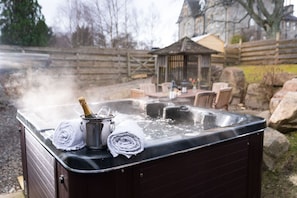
210, 41
184, 46
194, 7
289, 17
288, 14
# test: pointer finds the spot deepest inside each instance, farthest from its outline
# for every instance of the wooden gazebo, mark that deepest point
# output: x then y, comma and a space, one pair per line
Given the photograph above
182, 60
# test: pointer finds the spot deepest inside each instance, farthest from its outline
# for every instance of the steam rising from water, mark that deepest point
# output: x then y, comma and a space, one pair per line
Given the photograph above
32, 81
43, 90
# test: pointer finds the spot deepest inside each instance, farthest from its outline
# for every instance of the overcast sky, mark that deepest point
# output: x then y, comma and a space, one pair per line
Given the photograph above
169, 11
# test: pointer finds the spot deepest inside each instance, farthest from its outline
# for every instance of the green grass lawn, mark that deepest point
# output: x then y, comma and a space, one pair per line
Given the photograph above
277, 183
255, 73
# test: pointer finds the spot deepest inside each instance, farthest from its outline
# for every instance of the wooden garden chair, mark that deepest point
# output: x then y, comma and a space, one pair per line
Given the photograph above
223, 98
216, 86
148, 87
205, 99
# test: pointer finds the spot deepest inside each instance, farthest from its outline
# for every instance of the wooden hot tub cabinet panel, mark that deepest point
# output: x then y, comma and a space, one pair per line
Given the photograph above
117, 183
255, 164
40, 169
24, 157
229, 169
215, 171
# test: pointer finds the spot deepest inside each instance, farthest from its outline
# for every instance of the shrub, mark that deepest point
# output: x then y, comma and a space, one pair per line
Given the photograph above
269, 79
236, 38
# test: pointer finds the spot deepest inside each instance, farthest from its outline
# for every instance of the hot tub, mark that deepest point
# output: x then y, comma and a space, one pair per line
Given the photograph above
189, 152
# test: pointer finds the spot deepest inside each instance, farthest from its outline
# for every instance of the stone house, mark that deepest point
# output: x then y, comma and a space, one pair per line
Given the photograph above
199, 17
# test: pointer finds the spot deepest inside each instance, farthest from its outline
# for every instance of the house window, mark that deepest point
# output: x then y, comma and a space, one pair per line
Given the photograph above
288, 25
199, 26
189, 29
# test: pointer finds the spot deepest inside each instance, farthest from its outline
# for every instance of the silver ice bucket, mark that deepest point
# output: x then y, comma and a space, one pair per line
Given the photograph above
97, 131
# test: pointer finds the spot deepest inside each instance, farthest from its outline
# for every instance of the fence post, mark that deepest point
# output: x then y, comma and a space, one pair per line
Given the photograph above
78, 65
239, 50
128, 64
276, 56
225, 56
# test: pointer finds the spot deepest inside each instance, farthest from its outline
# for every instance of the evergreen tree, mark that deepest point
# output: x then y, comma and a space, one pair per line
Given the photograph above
82, 37
22, 23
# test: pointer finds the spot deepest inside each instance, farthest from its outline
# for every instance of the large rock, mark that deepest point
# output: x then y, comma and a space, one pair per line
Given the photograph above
284, 117
256, 97
275, 144
236, 79
290, 85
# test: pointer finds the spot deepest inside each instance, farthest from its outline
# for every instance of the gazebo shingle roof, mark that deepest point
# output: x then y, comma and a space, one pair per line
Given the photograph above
184, 46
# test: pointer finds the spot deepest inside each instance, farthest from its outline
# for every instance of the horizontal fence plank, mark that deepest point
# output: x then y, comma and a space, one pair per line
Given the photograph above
264, 52
258, 49
258, 43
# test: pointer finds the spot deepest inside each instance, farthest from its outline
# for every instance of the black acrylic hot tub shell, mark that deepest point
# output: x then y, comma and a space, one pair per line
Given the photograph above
92, 161
220, 162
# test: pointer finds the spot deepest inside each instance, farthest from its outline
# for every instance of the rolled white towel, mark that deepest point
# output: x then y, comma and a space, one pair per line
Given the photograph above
69, 135
127, 139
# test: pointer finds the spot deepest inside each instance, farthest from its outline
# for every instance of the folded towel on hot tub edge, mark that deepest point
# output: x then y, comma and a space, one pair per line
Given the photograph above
127, 139
69, 135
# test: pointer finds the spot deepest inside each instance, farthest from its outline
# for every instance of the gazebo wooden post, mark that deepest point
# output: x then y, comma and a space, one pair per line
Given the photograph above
185, 67
166, 68
199, 70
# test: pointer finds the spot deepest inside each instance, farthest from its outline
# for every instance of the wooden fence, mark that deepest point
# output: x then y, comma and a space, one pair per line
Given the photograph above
93, 66
262, 52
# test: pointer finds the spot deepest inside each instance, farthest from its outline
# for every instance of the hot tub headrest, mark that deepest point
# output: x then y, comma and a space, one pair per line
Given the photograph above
177, 113
155, 109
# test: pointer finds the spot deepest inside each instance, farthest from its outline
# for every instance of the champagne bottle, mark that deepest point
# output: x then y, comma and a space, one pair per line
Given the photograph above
87, 111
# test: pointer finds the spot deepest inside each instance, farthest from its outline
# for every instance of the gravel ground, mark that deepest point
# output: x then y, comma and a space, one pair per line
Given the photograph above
10, 149
10, 152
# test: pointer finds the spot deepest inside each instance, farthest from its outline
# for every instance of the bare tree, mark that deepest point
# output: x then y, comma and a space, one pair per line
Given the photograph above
77, 15
110, 23
99, 24
113, 21
149, 20
269, 20
152, 21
